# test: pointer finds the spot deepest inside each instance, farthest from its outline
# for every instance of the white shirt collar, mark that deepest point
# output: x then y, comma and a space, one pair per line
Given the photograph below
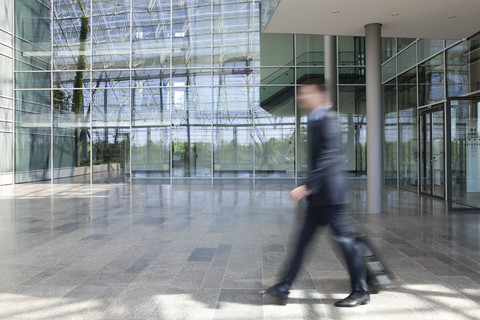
318, 113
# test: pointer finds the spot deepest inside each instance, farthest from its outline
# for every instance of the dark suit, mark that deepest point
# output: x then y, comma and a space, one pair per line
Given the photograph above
326, 202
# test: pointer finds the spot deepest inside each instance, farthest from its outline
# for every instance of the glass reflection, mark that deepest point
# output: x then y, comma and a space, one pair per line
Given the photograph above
191, 33
353, 124
111, 155
32, 135
390, 153
151, 34
275, 136
151, 148
111, 34
71, 134
407, 130
431, 80
71, 35
465, 154
233, 132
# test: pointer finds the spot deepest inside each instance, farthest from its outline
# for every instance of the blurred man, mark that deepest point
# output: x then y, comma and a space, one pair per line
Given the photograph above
326, 193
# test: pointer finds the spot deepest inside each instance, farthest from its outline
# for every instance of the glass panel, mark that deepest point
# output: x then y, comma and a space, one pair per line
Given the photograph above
390, 153
32, 136
6, 16
426, 153
431, 80
235, 75
111, 108
111, 135
457, 70
191, 77
302, 146
305, 73
310, 50
67, 80
275, 137
438, 154
407, 59
474, 61
192, 131
6, 80
389, 69
465, 154
6, 150
192, 36
151, 106
111, 155
351, 51
111, 79
389, 48
277, 76
111, 34
233, 33
233, 132
402, 43
32, 80
32, 36
150, 78
351, 75
276, 49
151, 152
71, 35
151, 34
192, 151
429, 47
71, 134
408, 143
353, 124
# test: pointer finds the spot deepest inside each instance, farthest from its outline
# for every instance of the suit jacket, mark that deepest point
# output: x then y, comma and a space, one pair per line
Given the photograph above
325, 178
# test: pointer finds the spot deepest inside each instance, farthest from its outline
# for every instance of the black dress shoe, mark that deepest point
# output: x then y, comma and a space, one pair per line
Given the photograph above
279, 290
353, 300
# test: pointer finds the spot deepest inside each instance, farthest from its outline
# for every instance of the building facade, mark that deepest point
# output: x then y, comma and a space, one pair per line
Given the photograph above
191, 91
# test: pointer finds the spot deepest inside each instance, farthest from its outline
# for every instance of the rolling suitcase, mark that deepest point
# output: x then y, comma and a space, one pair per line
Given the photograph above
377, 272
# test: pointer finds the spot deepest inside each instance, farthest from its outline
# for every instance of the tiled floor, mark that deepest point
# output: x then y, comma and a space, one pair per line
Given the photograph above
208, 252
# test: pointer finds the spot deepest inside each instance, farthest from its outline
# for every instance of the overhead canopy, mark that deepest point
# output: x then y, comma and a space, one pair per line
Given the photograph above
434, 19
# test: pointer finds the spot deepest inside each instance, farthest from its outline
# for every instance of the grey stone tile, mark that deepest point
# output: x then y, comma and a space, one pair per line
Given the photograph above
202, 254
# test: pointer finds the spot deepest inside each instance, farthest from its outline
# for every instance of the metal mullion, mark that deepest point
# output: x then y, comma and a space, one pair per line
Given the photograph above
212, 48
91, 92
52, 170
170, 86
297, 125
14, 131
130, 93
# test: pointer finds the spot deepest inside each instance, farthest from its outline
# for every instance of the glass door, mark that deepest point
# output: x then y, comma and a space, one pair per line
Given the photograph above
432, 152
464, 153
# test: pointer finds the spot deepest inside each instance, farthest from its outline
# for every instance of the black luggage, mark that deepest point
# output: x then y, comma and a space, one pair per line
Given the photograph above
377, 272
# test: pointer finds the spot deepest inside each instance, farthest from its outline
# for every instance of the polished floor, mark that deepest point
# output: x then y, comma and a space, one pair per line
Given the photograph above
208, 252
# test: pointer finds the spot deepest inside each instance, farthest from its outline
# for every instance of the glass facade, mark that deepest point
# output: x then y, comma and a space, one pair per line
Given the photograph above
6, 92
165, 91
431, 91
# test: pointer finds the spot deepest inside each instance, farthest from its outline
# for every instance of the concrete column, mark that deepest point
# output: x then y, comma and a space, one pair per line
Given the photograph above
373, 57
330, 48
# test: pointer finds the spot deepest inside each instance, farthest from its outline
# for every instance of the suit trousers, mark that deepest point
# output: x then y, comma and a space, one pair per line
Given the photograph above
337, 217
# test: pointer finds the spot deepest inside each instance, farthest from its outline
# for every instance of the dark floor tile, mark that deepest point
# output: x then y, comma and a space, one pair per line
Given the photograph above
202, 254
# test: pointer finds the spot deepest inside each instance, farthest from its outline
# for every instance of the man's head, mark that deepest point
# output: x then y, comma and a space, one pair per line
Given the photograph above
312, 94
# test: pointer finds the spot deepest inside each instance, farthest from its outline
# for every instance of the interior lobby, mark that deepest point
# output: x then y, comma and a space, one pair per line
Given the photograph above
148, 148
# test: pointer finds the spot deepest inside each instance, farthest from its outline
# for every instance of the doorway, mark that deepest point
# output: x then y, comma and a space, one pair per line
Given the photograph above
432, 151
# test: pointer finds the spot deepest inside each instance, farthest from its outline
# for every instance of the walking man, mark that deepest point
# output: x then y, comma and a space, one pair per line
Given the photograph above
326, 193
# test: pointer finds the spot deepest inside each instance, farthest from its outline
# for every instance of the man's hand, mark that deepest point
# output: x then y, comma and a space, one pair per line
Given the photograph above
299, 193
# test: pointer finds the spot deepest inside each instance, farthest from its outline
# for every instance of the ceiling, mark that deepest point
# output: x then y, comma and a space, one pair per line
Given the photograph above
435, 19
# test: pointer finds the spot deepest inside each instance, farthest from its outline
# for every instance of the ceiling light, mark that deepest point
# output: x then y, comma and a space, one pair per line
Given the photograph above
394, 14
335, 11
451, 17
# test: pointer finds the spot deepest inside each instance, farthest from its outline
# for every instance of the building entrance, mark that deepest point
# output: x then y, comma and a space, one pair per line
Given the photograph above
432, 151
